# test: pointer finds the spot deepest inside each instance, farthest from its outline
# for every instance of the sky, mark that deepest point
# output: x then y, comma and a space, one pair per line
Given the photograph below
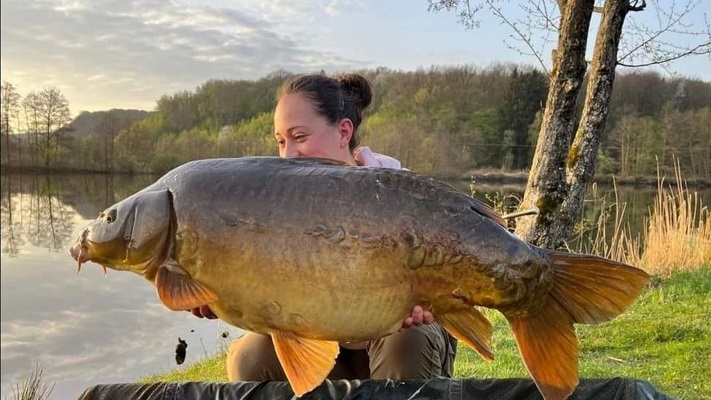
104, 54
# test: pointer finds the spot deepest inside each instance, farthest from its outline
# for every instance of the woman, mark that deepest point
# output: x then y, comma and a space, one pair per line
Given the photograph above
318, 116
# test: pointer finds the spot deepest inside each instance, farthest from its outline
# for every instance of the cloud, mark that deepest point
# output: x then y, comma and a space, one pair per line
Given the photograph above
131, 53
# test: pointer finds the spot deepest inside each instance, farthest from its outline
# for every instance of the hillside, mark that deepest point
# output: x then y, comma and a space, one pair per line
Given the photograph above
87, 122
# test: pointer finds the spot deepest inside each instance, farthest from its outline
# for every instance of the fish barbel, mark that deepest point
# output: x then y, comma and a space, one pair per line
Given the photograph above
314, 253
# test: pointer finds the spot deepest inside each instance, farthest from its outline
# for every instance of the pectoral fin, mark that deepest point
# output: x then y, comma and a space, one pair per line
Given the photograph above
178, 291
306, 362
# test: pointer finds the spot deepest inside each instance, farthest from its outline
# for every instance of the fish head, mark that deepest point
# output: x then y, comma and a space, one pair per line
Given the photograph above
132, 235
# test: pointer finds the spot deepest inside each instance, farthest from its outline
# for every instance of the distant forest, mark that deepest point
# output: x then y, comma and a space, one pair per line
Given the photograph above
441, 120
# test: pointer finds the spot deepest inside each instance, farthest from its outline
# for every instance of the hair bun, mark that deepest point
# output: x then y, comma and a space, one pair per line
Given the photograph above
358, 89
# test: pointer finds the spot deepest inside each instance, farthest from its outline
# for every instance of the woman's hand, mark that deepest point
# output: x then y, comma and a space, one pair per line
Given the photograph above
203, 312
418, 317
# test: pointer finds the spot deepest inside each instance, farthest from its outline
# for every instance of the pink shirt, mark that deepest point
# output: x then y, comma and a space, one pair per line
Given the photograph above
367, 158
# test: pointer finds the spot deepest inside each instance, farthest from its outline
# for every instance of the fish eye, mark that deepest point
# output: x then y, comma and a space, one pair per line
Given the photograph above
110, 216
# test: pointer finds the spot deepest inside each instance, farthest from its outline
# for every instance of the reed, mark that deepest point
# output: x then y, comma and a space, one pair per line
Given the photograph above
32, 387
678, 235
596, 237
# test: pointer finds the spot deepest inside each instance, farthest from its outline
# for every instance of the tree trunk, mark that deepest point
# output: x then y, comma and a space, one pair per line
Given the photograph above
19, 142
581, 158
7, 145
547, 187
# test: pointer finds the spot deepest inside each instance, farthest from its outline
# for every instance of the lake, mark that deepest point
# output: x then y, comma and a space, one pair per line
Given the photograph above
85, 329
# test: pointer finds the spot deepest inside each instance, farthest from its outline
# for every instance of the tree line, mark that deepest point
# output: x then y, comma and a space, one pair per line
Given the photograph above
442, 120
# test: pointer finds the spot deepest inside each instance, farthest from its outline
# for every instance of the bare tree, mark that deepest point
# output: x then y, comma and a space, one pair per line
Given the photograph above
10, 107
31, 111
564, 161
48, 116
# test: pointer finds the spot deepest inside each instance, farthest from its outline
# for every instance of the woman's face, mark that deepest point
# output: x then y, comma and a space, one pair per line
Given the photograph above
301, 132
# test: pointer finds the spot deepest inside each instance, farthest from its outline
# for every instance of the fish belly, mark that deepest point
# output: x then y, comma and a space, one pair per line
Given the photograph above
331, 292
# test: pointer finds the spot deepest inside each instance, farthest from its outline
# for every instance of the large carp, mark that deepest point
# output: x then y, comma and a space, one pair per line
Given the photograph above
315, 253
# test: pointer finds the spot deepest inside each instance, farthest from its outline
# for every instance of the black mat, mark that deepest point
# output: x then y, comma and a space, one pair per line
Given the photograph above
460, 389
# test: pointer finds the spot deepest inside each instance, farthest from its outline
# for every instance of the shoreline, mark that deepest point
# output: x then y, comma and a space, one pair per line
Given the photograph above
486, 177
521, 178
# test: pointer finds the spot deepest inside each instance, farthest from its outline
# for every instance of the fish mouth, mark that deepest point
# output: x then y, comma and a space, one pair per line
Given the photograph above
80, 252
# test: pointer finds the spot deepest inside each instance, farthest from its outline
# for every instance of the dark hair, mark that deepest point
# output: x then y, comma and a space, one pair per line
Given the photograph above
346, 96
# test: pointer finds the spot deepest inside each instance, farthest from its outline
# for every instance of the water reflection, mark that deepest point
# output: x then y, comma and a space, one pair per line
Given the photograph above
603, 203
84, 329
36, 215
11, 223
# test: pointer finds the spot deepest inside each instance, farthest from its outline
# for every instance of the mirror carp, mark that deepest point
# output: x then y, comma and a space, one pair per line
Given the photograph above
314, 253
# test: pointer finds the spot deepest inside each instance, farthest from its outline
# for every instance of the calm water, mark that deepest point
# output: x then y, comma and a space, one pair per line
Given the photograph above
88, 329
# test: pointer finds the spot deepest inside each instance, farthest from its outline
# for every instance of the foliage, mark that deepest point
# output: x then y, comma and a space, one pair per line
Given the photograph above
443, 120
251, 137
633, 138
525, 97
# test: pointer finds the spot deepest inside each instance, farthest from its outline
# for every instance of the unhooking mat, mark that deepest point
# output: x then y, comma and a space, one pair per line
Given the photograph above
440, 388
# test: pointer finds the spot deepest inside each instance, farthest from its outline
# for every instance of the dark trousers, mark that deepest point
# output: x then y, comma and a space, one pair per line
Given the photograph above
421, 352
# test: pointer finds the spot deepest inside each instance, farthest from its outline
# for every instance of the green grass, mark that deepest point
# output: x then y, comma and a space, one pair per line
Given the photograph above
664, 338
211, 369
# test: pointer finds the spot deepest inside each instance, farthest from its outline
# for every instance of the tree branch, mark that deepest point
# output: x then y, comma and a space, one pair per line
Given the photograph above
672, 58
634, 7
497, 12
649, 39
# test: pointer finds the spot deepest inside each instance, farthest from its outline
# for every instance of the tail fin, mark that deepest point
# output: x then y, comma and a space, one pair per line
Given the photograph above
595, 289
587, 289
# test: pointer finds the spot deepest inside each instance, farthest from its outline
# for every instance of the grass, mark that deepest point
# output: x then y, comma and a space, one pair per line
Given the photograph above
662, 338
210, 369
32, 387
677, 235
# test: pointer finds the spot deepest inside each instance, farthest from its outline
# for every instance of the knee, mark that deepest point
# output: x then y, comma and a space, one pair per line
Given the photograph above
421, 337
252, 358
415, 353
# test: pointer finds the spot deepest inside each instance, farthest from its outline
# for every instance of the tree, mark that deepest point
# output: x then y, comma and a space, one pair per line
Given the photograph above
639, 145
48, 115
524, 98
564, 160
179, 111
10, 107
107, 131
31, 111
